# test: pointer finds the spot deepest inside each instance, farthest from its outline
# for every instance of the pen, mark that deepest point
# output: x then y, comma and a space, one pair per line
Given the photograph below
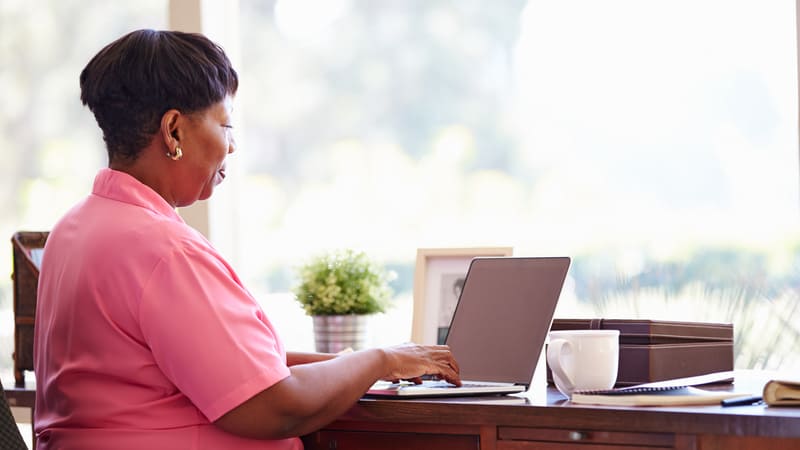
742, 401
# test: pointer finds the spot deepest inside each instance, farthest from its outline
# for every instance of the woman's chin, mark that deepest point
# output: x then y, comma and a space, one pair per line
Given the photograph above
206, 194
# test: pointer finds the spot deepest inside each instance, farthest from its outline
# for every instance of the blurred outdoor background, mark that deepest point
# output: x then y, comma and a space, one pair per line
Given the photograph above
654, 142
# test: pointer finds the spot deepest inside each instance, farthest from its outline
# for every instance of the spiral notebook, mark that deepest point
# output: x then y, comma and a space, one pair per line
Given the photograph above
653, 396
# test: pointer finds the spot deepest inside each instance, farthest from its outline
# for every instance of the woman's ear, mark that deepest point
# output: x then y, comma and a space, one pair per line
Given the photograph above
170, 131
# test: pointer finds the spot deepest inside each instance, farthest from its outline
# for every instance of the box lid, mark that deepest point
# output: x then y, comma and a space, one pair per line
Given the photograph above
643, 331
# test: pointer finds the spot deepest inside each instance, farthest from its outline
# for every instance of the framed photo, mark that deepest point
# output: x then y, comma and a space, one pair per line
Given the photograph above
439, 276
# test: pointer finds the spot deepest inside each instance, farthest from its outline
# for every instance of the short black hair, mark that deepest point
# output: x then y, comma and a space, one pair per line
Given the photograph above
133, 81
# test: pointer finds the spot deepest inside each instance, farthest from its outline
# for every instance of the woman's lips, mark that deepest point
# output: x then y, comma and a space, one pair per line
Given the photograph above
220, 175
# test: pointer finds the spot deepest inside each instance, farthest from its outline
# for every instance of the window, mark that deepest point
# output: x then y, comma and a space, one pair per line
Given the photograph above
654, 142
52, 147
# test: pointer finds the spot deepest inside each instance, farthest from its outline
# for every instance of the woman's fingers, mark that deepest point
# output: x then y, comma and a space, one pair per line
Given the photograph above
410, 362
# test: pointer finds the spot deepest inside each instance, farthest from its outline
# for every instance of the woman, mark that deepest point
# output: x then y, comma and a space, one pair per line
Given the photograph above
145, 336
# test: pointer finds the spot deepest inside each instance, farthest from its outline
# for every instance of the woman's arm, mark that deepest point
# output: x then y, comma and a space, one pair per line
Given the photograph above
297, 358
316, 393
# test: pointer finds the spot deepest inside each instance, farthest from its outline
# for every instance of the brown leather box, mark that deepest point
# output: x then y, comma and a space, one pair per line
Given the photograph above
653, 350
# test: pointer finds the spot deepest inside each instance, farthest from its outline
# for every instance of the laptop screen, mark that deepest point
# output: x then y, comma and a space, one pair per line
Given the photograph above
503, 316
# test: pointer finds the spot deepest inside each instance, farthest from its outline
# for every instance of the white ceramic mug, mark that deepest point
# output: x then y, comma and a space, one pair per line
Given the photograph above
583, 359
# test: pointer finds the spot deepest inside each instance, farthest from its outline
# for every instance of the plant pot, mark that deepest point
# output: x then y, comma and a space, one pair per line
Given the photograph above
332, 334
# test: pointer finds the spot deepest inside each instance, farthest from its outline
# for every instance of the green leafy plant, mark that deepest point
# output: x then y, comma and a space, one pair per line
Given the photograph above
343, 282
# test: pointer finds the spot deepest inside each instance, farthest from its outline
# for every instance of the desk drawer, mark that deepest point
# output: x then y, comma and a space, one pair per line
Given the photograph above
355, 440
519, 438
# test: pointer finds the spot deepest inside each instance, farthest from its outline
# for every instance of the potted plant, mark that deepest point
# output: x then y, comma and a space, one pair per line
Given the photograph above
339, 290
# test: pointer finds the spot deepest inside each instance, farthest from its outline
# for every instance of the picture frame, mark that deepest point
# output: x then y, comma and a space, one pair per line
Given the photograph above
439, 275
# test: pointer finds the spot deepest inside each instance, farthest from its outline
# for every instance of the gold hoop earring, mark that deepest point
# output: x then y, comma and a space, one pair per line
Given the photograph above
177, 155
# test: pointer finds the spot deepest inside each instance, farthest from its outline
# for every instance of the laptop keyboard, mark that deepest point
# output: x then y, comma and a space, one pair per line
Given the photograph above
446, 385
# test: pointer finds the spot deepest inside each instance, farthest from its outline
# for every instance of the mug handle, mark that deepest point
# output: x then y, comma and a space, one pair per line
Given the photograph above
554, 353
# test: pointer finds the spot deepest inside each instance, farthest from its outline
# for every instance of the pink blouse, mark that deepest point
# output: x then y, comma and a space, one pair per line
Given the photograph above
144, 334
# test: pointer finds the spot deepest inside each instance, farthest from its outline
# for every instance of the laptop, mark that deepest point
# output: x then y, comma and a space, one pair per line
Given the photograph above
498, 328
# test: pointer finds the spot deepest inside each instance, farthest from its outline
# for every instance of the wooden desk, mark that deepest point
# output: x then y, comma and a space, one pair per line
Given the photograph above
497, 423
21, 396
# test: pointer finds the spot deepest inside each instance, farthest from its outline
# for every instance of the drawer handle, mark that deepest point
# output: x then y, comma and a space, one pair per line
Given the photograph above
577, 435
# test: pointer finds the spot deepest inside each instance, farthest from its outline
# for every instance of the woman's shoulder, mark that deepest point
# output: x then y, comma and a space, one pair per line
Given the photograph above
178, 240
175, 235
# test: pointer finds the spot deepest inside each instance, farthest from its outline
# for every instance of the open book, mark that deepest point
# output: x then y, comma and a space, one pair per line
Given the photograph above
782, 392
653, 396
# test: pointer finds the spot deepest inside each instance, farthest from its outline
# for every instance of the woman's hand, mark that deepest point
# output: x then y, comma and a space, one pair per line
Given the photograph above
411, 362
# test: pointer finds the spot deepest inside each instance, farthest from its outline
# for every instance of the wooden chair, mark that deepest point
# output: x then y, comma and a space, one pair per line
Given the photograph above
27, 247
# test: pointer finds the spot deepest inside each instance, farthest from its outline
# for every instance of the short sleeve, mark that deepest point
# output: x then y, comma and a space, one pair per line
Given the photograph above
206, 332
